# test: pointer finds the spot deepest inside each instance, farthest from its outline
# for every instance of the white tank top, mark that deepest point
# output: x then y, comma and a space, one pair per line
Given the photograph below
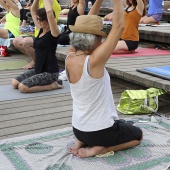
93, 103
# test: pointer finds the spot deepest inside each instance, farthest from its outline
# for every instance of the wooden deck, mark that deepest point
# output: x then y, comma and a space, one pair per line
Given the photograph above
39, 114
166, 16
125, 68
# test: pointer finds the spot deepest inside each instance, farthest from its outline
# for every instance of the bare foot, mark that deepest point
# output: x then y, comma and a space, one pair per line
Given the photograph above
93, 151
55, 85
77, 145
29, 66
123, 52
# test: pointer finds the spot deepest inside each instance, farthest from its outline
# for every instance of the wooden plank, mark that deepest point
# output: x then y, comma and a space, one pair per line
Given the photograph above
34, 126
39, 114
35, 131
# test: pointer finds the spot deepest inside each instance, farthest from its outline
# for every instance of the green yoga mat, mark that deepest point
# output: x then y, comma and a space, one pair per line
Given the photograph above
10, 65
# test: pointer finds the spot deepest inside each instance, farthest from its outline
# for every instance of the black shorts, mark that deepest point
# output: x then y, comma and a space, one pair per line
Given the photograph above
121, 132
10, 35
132, 45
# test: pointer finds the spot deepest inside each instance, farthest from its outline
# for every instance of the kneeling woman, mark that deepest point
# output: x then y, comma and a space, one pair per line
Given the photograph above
95, 120
129, 40
45, 74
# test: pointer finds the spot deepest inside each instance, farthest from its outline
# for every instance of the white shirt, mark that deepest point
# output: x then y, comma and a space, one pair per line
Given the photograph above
93, 104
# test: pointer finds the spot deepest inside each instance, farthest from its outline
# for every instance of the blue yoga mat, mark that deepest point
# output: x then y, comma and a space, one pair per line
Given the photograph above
162, 71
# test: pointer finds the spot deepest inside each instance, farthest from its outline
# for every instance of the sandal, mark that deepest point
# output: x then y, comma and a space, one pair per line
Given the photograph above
105, 155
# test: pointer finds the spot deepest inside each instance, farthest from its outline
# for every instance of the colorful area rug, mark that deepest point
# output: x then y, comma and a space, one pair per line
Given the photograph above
141, 52
49, 151
10, 65
162, 71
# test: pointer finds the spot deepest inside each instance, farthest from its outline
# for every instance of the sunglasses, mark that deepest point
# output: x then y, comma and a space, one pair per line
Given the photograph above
40, 19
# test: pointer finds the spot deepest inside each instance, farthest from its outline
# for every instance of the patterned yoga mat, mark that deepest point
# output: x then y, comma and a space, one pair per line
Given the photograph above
49, 151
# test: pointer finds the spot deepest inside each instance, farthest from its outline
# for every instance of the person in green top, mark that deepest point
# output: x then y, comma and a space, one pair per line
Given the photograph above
11, 27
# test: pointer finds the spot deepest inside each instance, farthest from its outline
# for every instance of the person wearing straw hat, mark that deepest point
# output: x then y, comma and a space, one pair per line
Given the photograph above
95, 121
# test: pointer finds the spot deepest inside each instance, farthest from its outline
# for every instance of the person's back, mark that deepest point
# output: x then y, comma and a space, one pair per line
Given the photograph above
91, 95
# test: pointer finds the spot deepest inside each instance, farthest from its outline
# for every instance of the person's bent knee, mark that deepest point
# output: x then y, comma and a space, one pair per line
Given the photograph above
17, 41
15, 83
22, 88
28, 42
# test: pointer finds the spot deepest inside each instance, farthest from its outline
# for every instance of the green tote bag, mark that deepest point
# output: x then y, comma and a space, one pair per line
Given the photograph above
139, 101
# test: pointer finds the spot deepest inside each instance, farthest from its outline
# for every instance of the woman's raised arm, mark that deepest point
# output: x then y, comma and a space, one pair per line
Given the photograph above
33, 10
81, 7
103, 52
51, 19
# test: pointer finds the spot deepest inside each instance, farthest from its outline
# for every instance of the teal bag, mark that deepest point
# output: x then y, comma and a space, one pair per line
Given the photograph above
139, 101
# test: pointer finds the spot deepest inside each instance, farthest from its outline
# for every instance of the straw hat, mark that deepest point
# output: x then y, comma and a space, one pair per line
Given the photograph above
89, 24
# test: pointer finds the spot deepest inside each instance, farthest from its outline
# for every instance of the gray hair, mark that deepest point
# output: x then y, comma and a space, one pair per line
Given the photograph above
82, 41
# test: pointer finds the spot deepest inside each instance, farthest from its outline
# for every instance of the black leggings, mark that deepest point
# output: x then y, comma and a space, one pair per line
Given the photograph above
121, 132
23, 14
30, 78
64, 38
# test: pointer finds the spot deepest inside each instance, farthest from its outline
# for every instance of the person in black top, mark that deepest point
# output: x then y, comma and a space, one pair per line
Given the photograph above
45, 75
23, 13
76, 8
